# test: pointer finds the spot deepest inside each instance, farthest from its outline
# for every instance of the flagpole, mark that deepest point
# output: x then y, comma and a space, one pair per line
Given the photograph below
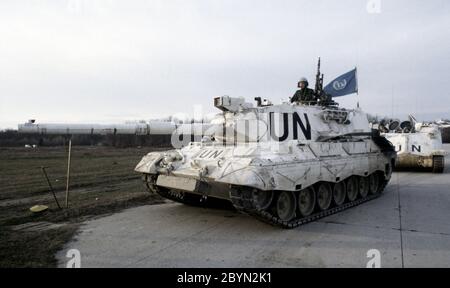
357, 87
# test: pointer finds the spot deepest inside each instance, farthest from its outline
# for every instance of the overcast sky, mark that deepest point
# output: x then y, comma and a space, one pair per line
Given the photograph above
112, 61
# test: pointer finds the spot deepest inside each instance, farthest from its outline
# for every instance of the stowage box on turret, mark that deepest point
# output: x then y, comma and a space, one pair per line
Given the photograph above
285, 164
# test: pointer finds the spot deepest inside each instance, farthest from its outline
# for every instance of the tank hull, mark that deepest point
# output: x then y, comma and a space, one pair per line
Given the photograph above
202, 179
291, 173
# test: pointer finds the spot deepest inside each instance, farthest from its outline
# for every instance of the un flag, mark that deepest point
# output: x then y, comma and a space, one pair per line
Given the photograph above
343, 85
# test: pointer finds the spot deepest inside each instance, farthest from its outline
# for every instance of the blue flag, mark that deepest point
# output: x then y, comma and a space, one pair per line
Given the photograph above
343, 85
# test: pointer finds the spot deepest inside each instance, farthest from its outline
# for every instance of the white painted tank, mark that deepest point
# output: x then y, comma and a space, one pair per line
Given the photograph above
421, 148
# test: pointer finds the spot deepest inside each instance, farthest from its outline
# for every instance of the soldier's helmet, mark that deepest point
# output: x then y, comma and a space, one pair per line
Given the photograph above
303, 79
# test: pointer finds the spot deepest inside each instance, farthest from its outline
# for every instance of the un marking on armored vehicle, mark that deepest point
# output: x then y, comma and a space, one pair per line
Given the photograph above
418, 145
285, 164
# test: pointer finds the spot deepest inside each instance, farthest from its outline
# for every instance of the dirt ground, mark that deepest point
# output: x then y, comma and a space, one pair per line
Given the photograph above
102, 181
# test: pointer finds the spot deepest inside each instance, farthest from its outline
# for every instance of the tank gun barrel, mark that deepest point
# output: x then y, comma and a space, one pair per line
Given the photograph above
139, 128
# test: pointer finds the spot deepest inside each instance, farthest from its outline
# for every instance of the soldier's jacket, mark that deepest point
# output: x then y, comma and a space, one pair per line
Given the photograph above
304, 96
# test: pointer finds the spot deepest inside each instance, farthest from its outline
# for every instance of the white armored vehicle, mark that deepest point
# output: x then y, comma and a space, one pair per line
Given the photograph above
285, 164
418, 145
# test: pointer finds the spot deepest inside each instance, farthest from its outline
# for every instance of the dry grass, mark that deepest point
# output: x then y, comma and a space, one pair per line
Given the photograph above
102, 181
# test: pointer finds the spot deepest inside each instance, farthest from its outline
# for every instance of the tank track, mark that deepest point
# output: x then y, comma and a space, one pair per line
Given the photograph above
243, 201
438, 164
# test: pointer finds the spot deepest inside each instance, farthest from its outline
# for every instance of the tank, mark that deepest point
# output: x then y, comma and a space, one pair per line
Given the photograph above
285, 164
418, 146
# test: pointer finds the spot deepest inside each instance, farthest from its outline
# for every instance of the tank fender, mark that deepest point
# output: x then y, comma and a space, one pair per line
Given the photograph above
248, 177
148, 163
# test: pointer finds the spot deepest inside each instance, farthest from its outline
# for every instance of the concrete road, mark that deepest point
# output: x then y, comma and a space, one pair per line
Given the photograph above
409, 225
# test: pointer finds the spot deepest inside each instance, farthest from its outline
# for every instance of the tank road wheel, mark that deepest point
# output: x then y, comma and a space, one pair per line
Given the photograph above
262, 199
438, 164
363, 186
374, 183
324, 196
339, 193
352, 188
306, 201
286, 205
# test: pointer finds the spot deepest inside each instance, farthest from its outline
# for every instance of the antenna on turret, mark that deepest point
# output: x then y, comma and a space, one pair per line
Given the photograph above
357, 87
319, 80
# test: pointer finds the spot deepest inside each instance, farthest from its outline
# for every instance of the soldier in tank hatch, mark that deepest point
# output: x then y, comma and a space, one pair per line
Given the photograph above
305, 95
